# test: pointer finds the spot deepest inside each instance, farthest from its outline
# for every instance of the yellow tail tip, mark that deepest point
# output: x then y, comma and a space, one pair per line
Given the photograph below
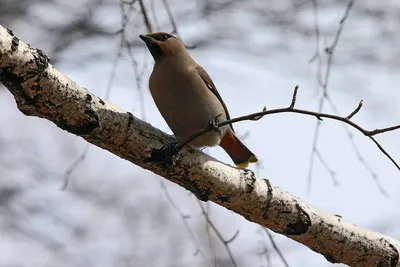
252, 159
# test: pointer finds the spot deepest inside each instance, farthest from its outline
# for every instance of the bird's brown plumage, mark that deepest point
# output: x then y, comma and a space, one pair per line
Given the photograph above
187, 98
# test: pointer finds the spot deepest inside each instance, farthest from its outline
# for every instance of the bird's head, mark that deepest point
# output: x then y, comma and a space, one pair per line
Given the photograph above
162, 43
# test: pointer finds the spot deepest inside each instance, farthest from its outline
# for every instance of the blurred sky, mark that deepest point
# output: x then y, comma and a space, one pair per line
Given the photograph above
115, 214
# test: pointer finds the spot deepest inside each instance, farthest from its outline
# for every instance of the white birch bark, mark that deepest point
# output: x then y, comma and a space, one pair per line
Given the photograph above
41, 90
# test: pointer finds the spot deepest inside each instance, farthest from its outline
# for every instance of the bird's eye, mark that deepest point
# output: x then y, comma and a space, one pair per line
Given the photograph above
163, 37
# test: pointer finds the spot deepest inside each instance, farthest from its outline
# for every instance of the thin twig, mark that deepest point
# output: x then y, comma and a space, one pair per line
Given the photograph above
129, 2
124, 22
324, 82
155, 18
367, 166
327, 167
137, 74
217, 232
173, 23
232, 238
265, 248
357, 151
354, 112
212, 250
184, 220
289, 109
145, 17
171, 19
138, 80
271, 238
317, 55
73, 167
294, 97
331, 50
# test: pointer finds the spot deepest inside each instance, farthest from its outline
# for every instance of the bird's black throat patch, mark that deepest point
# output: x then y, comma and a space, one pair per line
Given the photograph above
154, 49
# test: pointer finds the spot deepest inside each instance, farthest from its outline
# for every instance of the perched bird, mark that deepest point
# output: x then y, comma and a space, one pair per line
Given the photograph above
188, 100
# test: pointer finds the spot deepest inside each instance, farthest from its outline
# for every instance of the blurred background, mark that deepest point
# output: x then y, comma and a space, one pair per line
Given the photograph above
66, 203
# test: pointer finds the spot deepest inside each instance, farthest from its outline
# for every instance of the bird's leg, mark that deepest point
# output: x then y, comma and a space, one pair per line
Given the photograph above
172, 148
213, 124
212, 127
165, 153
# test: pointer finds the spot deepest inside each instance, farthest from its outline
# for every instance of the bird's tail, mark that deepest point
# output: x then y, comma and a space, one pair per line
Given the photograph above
238, 152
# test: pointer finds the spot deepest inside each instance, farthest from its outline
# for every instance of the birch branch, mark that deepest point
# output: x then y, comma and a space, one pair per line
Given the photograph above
41, 90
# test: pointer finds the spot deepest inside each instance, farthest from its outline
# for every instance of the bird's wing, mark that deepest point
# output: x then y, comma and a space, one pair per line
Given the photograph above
210, 85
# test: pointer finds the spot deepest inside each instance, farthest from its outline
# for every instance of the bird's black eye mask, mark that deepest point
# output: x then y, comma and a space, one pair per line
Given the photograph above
152, 45
154, 49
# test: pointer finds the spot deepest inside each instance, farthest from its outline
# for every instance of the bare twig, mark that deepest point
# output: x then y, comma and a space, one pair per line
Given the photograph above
155, 18
145, 17
318, 115
271, 239
323, 82
265, 251
73, 166
294, 97
232, 238
173, 23
317, 55
138, 80
330, 50
331, 172
138, 74
357, 151
354, 112
124, 22
217, 232
129, 2
366, 165
258, 118
171, 19
210, 241
184, 220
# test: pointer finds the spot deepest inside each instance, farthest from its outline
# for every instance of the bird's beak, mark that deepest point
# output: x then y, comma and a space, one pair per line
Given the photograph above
147, 39
152, 44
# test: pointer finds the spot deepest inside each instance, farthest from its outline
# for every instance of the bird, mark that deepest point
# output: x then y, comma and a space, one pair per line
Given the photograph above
188, 99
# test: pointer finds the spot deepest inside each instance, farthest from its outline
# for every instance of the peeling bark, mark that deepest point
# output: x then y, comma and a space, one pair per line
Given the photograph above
41, 90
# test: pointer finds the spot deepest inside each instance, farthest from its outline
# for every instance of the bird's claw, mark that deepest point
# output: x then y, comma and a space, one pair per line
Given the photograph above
165, 153
213, 125
172, 149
